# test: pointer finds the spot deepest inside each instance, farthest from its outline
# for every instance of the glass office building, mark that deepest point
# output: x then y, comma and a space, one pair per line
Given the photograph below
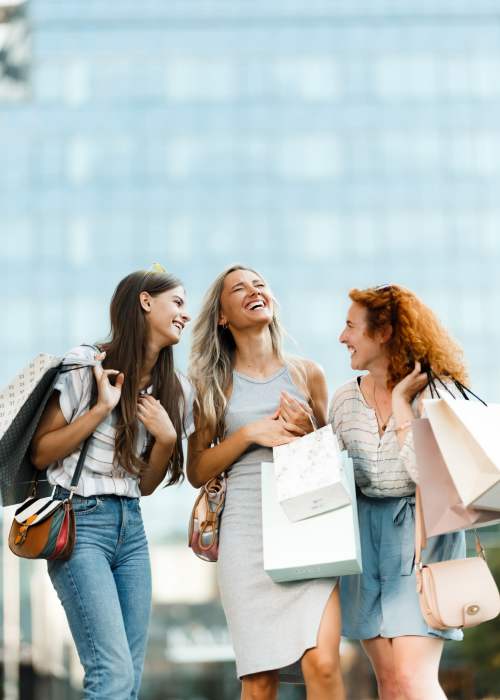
327, 144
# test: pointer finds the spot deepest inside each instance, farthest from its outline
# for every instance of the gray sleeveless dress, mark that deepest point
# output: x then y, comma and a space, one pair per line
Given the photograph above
271, 624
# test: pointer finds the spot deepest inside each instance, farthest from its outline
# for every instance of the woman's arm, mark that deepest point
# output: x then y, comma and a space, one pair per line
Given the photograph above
403, 395
302, 418
55, 438
205, 462
318, 390
157, 422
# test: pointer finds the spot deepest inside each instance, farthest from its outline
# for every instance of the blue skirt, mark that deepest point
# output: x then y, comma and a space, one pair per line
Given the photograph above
382, 601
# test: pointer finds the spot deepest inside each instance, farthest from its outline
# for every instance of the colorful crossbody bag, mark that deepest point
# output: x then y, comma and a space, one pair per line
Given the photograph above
45, 528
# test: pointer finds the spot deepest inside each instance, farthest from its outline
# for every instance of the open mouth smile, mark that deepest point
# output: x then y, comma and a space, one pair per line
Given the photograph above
255, 305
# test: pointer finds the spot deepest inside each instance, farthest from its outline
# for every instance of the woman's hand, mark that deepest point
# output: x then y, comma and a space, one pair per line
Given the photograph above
156, 420
269, 432
297, 416
406, 390
108, 395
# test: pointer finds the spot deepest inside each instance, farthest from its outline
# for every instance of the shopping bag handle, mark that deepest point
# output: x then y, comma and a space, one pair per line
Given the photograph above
462, 389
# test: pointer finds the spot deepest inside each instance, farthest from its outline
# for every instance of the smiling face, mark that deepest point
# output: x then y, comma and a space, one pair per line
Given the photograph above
246, 301
365, 350
166, 315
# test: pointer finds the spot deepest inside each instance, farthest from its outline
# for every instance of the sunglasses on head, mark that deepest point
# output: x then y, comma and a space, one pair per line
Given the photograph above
389, 288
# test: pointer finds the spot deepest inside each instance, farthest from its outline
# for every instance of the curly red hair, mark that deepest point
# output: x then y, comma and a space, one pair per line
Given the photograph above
417, 334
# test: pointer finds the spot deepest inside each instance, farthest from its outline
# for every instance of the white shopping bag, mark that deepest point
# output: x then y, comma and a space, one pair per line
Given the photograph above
322, 546
310, 477
467, 433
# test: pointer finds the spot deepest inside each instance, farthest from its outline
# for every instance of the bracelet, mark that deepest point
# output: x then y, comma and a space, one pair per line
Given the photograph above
403, 426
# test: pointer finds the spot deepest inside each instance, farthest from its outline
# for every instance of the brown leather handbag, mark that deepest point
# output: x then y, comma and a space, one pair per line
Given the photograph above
45, 528
204, 523
455, 593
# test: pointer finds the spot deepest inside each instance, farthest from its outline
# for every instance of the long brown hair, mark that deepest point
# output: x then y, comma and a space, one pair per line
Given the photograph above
126, 351
417, 334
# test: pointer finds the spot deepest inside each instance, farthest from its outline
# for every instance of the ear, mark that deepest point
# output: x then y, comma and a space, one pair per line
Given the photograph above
385, 334
145, 301
222, 321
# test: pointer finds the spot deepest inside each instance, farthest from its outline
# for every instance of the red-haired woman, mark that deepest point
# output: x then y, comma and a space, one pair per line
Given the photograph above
389, 334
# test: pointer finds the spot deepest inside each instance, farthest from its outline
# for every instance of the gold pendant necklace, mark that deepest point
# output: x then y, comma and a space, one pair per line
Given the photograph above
382, 424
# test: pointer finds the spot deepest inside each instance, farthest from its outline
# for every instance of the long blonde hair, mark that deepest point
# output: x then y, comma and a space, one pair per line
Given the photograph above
211, 360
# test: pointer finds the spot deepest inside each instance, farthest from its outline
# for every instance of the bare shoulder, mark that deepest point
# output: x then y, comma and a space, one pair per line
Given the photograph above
311, 371
308, 375
314, 370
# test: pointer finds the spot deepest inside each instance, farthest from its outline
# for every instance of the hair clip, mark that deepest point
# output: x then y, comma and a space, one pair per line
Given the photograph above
156, 267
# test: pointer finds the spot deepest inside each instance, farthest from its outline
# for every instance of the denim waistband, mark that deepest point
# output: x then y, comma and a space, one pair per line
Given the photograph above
61, 493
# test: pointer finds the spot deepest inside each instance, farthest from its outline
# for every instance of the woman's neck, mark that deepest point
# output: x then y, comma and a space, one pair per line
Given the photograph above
378, 374
150, 360
254, 352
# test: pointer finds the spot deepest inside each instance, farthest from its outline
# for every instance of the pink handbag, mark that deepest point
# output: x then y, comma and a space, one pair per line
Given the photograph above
204, 524
455, 593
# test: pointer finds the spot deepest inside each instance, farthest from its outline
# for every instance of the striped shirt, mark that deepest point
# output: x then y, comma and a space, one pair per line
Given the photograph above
381, 467
99, 475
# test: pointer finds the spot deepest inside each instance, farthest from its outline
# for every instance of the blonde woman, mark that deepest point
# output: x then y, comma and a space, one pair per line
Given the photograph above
389, 332
251, 398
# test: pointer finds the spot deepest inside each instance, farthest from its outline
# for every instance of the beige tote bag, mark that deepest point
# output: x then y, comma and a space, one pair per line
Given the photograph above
467, 433
443, 509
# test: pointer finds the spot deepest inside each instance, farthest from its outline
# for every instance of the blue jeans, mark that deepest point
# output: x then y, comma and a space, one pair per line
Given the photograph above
105, 589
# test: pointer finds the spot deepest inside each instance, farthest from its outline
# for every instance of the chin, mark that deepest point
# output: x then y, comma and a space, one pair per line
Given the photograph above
356, 364
172, 340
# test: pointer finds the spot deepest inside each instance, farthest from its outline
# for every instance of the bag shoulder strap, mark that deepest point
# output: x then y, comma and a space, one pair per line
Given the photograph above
79, 465
421, 536
83, 452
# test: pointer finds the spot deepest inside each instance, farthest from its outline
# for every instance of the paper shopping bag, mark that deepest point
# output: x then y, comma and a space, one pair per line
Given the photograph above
22, 403
442, 507
467, 433
310, 477
322, 546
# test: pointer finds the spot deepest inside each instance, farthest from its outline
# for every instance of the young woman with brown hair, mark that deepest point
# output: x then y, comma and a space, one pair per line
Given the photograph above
251, 397
137, 424
390, 333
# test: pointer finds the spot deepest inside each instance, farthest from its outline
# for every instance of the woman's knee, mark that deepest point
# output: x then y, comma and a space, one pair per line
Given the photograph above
410, 680
388, 686
260, 686
321, 666
114, 680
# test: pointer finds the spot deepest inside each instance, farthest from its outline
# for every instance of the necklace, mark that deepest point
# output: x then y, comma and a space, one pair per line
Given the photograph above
378, 413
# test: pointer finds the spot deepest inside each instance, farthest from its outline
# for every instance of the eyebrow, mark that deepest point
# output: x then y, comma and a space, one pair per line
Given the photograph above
237, 284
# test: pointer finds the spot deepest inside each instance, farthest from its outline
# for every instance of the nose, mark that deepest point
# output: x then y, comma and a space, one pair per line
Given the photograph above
342, 337
186, 317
